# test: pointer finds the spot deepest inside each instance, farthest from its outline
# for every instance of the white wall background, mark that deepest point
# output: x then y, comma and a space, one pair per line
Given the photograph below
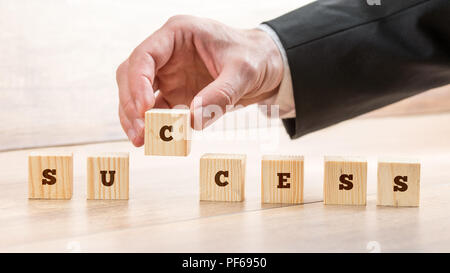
58, 60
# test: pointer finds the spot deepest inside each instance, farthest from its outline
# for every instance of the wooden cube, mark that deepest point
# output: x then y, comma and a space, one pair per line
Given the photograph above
345, 181
282, 179
50, 176
107, 176
168, 132
222, 177
398, 183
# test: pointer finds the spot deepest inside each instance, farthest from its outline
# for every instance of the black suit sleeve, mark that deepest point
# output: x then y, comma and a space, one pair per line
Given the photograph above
347, 57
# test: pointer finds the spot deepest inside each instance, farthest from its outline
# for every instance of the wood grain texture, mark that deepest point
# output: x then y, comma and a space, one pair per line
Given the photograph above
168, 132
336, 170
222, 177
164, 213
108, 176
287, 168
398, 183
50, 176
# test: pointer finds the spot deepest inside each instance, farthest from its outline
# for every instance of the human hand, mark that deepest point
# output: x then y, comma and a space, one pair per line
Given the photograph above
198, 63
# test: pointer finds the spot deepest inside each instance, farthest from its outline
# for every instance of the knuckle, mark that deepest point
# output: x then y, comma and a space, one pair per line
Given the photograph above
179, 20
135, 55
228, 91
247, 69
140, 57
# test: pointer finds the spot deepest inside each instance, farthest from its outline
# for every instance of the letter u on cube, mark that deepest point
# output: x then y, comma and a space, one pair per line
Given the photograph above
222, 177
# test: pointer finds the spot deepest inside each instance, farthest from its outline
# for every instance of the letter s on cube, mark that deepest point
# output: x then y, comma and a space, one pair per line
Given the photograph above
345, 181
50, 175
398, 182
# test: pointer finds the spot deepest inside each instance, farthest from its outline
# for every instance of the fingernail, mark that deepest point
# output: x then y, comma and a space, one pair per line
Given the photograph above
131, 134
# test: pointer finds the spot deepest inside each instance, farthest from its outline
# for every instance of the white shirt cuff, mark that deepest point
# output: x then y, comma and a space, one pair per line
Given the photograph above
285, 96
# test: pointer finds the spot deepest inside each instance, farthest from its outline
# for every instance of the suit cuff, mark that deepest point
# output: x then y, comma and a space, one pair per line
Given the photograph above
285, 96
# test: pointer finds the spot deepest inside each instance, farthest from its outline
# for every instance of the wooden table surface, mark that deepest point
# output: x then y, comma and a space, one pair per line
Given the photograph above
164, 213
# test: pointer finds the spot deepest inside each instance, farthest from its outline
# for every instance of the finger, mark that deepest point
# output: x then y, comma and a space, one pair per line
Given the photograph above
212, 101
155, 85
139, 124
131, 123
144, 63
127, 127
257, 98
135, 129
126, 100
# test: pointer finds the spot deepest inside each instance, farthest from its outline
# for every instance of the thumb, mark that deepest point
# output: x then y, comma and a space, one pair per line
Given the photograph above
212, 101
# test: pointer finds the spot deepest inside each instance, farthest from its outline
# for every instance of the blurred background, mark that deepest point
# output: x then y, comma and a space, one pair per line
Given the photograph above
58, 61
